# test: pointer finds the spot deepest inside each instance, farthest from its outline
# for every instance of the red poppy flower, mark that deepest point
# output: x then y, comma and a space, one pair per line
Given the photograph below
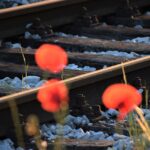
53, 95
122, 97
51, 58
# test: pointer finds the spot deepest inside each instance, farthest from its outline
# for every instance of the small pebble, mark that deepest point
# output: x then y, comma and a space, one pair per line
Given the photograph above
147, 117
61, 34
76, 67
110, 138
28, 35
145, 40
49, 131
114, 53
104, 24
117, 136
138, 27
31, 79
16, 83
147, 13
6, 144
112, 112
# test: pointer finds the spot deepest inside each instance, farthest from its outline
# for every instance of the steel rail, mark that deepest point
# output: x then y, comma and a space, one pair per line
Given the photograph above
85, 79
55, 13
35, 7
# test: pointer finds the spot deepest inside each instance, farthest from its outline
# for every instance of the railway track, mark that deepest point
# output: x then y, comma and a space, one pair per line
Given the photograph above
91, 85
83, 18
56, 13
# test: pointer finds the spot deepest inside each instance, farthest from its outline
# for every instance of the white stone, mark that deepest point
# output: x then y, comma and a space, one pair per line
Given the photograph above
138, 27
147, 116
123, 144
110, 148
29, 25
146, 111
27, 35
25, 86
52, 137
106, 135
36, 37
87, 68
105, 66
86, 136
117, 136
69, 118
25, 2
105, 115
76, 67
147, 13
16, 45
110, 138
114, 53
72, 135
79, 133
48, 132
7, 80
97, 136
67, 129
145, 40
14, 5
6, 144
78, 120
31, 79
4, 84
140, 91
53, 129
19, 148
86, 119
61, 34
16, 83
44, 128
104, 24
40, 83
90, 124
112, 112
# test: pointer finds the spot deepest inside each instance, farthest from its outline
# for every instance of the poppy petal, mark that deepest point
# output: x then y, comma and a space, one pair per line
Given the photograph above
121, 96
52, 95
51, 58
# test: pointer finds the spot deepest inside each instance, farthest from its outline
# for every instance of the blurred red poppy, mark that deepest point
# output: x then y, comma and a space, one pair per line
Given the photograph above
53, 95
122, 97
51, 58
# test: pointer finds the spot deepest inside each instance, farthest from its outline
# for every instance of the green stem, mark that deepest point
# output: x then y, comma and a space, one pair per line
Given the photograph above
16, 121
59, 117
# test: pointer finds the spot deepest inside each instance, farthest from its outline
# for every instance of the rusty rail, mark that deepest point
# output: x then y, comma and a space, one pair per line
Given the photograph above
55, 13
131, 67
